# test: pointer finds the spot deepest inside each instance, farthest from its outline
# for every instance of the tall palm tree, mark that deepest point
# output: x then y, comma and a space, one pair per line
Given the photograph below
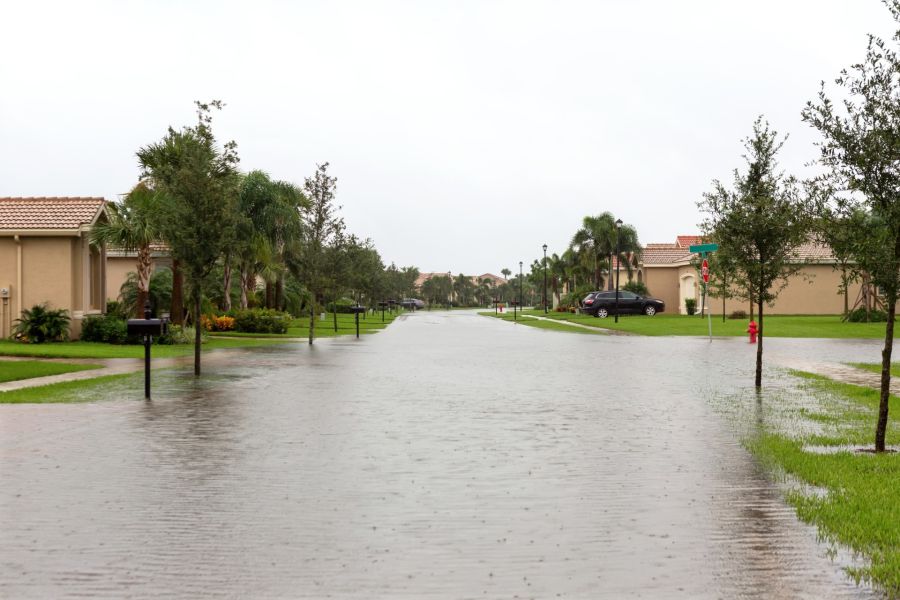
133, 226
505, 272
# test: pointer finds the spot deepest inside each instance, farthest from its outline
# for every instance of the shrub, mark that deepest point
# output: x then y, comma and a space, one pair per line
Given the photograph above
690, 305
637, 287
109, 329
261, 320
342, 305
859, 316
179, 335
114, 308
41, 324
738, 314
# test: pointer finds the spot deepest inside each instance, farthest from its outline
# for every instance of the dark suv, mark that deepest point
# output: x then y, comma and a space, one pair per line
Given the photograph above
603, 304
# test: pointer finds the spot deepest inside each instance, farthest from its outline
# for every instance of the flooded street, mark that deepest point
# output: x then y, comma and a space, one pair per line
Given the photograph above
450, 456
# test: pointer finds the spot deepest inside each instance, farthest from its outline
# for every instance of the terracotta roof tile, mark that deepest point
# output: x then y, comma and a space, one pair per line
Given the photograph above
683, 241
665, 254
48, 213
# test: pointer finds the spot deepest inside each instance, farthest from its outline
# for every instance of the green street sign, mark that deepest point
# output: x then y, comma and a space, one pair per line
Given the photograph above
703, 248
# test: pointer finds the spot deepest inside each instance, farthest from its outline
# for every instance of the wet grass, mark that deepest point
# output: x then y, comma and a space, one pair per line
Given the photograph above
98, 350
828, 326
86, 390
876, 368
861, 509
16, 370
540, 324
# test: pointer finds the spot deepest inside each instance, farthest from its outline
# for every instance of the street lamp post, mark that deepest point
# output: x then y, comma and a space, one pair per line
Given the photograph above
545, 279
450, 293
618, 267
520, 283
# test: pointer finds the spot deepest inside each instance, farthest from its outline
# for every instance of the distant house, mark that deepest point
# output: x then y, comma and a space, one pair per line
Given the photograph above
668, 273
46, 257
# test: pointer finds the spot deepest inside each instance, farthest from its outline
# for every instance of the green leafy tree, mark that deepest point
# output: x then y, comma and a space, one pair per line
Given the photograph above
759, 223
199, 186
321, 226
860, 142
134, 226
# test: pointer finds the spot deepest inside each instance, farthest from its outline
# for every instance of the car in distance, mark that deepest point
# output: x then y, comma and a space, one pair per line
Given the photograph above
603, 304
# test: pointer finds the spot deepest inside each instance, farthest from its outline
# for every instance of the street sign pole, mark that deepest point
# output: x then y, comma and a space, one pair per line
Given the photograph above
703, 250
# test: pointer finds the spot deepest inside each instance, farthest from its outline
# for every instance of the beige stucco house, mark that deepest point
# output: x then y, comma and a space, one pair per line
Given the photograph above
119, 263
46, 257
667, 271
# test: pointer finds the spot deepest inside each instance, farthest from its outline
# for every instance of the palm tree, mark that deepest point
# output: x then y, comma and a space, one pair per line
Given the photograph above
595, 241
133, 227
505, 272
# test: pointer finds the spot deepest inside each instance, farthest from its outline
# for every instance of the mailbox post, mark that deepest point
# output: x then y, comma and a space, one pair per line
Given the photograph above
514, 304
147, 328
356, 310
382, 305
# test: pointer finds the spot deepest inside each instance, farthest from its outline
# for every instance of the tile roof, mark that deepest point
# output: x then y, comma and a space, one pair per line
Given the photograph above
665, 254
683, 241
48, 213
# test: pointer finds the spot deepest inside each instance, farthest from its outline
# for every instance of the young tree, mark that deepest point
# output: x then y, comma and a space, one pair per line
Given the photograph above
861, 137
321, 226
198, 182
133, 226
759, 224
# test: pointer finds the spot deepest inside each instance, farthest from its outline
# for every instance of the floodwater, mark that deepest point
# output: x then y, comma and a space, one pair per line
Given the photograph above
450, 456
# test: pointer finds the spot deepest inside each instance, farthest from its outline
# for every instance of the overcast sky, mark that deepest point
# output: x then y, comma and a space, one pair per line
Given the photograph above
464, 135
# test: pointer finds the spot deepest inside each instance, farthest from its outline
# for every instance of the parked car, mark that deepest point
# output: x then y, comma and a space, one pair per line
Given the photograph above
603, 304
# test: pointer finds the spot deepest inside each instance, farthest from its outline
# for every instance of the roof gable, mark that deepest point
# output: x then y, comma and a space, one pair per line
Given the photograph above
49, 213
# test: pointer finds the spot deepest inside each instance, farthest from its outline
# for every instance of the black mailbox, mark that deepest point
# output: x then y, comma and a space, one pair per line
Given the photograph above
154, 327
357, 309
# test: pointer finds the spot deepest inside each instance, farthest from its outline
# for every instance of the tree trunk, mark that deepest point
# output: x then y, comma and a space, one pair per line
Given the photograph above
270, 295
846, 282
279, 292
197, 329
226, 285
176, 311
751, 310
609, 282
334, 313
759, 346
144, 266
242, 276
881, 428
312, 317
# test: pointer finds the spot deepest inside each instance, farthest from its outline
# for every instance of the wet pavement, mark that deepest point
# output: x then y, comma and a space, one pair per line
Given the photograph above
449, 456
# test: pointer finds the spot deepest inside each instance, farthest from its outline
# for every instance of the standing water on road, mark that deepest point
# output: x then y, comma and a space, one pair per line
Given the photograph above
450, 456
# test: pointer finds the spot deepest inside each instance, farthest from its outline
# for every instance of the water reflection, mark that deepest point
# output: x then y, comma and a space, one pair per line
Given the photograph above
450, 456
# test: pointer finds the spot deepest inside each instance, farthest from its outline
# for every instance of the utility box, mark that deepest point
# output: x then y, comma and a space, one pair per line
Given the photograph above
4, 292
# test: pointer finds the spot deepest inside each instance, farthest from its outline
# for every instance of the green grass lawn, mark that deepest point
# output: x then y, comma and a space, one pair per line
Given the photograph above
540, 324
829, 326
862, 507
15, 370
98, 350
72, 391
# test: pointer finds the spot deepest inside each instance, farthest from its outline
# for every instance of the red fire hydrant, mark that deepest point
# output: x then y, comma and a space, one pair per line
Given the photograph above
752, 331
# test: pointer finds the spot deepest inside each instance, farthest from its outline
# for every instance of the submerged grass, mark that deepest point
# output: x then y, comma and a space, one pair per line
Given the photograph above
98, 350
16, 370
876, 368
861, 509
86, 390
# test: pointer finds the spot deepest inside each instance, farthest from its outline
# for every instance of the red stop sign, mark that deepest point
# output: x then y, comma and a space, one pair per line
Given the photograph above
704, 270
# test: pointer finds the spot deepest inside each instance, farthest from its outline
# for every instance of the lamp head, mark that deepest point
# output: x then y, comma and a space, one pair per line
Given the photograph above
545, 247
618, 222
